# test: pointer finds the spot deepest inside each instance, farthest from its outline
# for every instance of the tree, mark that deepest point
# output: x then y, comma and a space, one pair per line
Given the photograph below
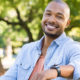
1, 69
75, 11
27, 15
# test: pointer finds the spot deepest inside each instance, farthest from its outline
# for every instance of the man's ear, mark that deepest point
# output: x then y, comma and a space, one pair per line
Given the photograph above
68, 23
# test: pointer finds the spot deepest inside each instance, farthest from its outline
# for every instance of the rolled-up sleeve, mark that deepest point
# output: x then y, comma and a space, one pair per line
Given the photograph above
75, 61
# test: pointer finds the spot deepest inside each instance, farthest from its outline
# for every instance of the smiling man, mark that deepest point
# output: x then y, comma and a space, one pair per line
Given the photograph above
55, 56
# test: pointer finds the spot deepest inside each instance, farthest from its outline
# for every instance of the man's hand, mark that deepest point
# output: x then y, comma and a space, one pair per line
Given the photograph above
45, 75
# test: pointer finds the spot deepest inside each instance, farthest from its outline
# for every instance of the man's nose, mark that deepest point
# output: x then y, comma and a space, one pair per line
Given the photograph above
52, 19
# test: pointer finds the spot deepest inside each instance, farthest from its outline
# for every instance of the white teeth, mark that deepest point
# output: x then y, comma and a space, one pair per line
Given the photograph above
51, 26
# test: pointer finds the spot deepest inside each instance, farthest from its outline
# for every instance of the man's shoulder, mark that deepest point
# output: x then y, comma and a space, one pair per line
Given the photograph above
75, 44
30, 45
27, 48
71, 47
70, 41
71, 44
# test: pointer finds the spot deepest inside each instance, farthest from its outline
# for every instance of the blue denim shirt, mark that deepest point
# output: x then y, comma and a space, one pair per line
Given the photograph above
62, 51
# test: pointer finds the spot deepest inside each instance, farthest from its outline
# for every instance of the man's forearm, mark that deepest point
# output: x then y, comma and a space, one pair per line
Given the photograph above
67, 71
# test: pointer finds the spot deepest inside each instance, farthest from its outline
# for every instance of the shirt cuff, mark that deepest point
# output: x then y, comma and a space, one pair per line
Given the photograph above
76, 74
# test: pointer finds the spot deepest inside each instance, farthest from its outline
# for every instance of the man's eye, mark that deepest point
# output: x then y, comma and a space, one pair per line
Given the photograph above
60, 17
48, 14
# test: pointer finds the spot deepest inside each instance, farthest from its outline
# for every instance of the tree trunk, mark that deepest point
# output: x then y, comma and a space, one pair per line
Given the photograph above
1, 68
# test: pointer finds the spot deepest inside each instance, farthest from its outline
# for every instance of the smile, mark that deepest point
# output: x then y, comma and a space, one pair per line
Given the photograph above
51, 27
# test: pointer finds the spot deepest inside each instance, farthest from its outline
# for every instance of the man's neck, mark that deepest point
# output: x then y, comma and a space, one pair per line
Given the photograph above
47, 41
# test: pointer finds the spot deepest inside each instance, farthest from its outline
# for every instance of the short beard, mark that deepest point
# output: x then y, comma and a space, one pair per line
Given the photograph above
54, 36
51, 35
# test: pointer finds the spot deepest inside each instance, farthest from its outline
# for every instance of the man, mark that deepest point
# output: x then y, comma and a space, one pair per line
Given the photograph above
55, 56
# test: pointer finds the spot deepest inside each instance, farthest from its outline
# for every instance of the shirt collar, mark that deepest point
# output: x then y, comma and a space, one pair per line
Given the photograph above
39, 44
58, 41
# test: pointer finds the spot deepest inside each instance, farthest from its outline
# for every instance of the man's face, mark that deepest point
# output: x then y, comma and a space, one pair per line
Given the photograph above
55, 19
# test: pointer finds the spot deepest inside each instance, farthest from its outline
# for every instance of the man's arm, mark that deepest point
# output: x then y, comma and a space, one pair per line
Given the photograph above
66, 72
11, 74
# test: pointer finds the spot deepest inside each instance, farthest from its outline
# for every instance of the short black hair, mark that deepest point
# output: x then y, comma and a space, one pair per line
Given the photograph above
62, 2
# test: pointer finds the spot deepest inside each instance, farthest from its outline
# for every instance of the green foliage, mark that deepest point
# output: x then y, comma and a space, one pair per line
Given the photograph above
6, 32
75, 34
31, 12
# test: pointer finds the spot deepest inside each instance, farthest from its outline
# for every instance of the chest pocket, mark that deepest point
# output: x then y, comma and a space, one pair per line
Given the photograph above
57, 58
58, 61
23, 71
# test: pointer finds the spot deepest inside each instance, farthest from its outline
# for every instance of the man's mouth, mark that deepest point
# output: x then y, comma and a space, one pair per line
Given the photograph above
51, 27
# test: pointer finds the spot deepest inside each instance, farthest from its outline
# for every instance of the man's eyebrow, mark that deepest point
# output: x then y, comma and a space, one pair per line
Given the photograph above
48, 11
60, 13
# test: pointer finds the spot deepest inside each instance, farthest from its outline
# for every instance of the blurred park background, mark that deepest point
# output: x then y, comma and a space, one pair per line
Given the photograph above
20, 23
